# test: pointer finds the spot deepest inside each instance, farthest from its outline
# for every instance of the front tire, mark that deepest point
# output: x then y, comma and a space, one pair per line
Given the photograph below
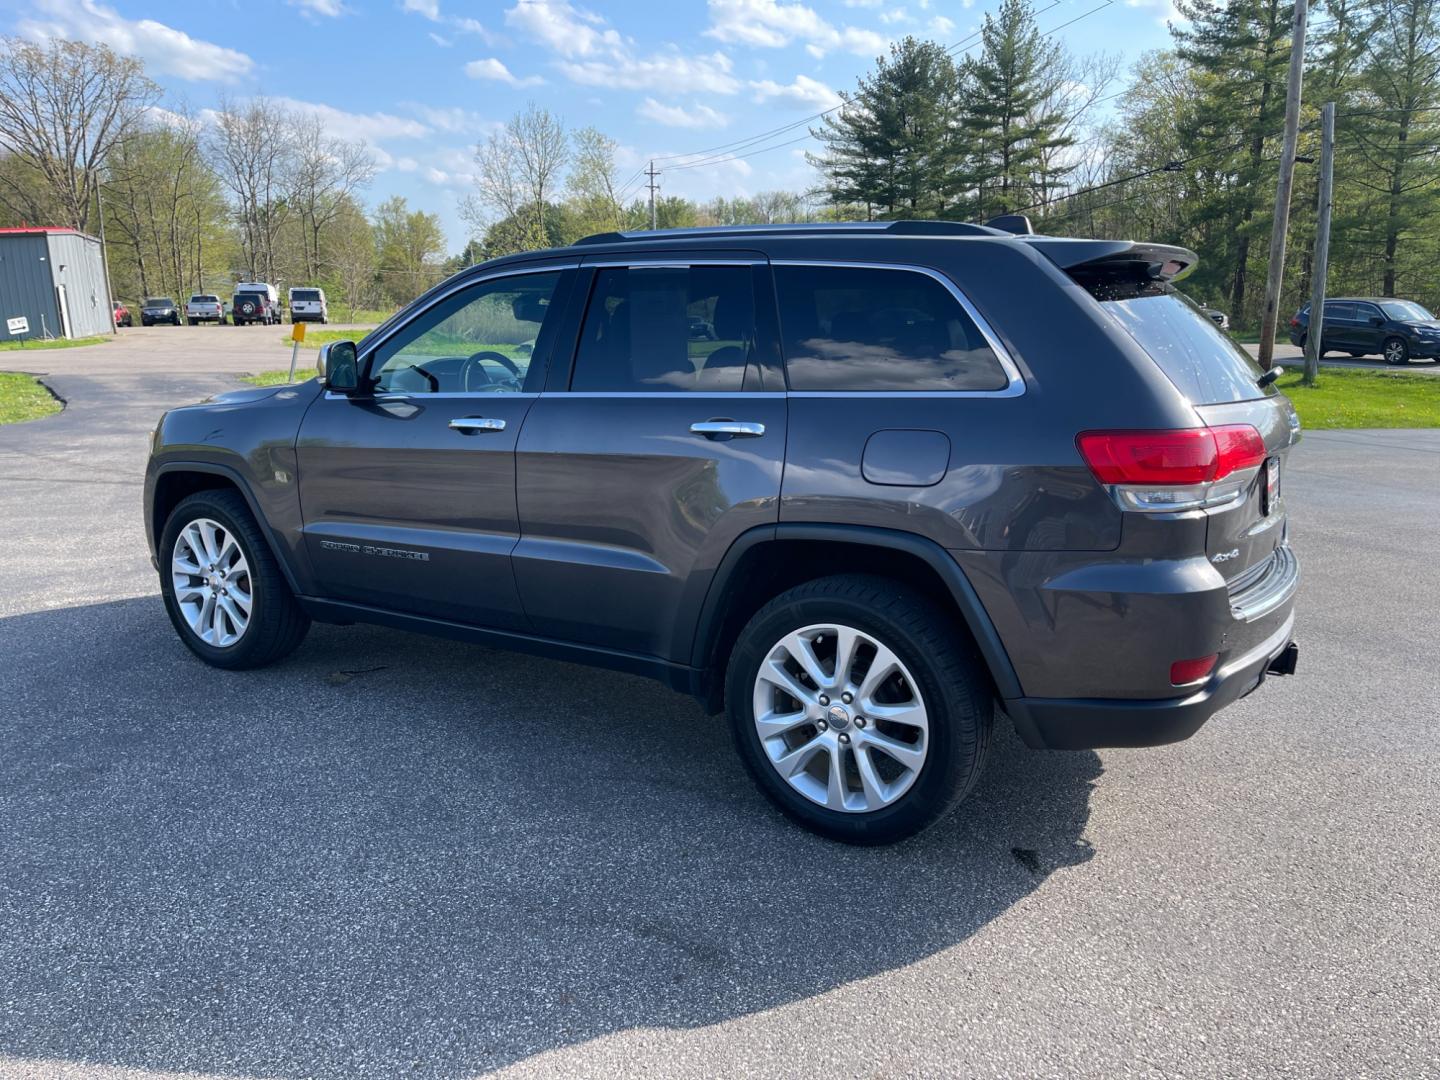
1397, 352
859, 708
223, 588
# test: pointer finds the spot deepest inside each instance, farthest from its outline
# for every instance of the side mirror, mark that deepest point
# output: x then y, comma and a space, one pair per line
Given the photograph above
339, 367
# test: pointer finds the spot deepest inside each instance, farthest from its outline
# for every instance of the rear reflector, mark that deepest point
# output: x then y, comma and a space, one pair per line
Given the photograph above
1183, 672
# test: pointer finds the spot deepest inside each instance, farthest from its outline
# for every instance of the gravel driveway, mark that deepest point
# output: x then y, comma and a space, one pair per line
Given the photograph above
399, 856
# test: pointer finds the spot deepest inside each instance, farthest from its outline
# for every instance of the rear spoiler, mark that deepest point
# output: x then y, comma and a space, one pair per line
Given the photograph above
1161, 262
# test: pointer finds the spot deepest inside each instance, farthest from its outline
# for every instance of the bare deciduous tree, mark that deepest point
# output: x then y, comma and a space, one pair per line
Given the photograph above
520, 168
63, 105
326, 172
252, 148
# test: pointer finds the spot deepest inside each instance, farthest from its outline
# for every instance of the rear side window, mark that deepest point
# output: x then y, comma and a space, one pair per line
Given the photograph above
1341, 311
874, 328
1197, 356
652, 329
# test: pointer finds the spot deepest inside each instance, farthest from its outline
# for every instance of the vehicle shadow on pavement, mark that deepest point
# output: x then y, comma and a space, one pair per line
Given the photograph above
392, 853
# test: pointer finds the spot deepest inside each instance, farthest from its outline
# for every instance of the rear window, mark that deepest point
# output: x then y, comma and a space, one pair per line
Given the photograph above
304, 294
873, 328
202, 299
1195, 354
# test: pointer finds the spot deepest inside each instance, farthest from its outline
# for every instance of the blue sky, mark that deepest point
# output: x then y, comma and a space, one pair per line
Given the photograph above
421, 81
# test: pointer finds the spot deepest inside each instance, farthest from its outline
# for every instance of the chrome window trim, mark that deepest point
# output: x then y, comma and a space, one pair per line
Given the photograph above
1015, 382
400, 395
663, 263
695, 395
364, 355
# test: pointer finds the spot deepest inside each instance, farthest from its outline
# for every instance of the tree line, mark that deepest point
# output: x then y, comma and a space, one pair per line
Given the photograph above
1183, 149
194, 202
1189, 151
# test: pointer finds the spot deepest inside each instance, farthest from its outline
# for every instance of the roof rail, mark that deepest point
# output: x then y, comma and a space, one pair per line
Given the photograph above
894, 228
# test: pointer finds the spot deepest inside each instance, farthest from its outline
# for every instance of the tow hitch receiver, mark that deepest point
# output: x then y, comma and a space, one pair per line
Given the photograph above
1284, 662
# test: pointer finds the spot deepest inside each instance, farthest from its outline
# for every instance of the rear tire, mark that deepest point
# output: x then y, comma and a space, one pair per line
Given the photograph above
275, 624
1396, 351
935, 708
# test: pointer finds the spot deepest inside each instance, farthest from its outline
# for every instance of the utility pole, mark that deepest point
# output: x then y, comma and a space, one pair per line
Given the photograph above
105, 257
1275, 272
1314, 334
650, 172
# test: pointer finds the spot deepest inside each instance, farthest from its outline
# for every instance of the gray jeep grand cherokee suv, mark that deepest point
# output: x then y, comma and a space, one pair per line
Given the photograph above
859, 486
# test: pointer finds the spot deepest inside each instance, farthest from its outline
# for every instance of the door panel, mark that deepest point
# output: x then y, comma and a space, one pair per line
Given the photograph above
408, 492
404, 512
622, 503
626, 509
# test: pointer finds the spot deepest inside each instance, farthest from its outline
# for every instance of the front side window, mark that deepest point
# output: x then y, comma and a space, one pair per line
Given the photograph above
652, 329
480, 340
1406, 311
874, 328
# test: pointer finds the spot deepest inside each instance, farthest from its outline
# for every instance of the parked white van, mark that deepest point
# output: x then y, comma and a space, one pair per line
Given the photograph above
307, 304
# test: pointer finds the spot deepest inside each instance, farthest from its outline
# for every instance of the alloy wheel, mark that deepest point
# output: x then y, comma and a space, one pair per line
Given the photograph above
840, 718
212, 583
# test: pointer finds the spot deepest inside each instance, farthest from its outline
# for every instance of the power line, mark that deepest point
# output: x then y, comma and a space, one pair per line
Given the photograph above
730, 151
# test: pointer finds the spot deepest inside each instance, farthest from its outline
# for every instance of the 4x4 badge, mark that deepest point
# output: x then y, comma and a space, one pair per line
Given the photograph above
1226, 556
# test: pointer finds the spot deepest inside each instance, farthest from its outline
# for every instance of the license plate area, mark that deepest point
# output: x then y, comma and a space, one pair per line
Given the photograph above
1270, 492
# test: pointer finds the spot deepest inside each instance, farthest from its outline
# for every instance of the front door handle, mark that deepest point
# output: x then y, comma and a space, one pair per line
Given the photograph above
470, 425
741, 429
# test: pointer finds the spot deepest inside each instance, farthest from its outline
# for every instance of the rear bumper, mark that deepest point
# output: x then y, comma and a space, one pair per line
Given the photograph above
1095, 723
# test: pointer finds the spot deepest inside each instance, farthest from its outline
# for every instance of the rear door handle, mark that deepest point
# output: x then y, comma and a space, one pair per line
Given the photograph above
741, 429
470, 425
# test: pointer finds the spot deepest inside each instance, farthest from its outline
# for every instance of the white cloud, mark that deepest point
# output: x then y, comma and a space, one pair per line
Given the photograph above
774, 23
563, 28
941, 25
896, 15
430, 9
698, 116
165, 50
490, 68
804, 92
406, 164
370, 127
452, 120
329, 9
669, 72
440, 39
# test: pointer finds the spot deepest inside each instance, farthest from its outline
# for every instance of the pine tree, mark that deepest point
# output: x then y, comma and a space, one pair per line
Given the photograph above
888, 148
1240, 51
1006, 122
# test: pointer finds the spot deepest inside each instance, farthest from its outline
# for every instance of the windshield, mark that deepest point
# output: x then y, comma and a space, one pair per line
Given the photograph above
1405, 311
1196, 355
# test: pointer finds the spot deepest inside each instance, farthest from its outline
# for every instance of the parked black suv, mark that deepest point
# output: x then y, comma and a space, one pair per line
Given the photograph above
1398, 330
253, 307
158, 309
917, 470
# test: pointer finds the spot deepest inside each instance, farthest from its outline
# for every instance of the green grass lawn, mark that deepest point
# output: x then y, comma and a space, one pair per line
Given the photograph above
1347, 398
315, 338
22, 398
57, 343
280, 376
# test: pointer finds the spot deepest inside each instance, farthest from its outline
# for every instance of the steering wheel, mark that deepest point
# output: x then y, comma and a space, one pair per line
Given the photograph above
474, 360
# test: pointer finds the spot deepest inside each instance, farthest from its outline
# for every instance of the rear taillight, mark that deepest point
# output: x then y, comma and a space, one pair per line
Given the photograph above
1179, 469
1295, 320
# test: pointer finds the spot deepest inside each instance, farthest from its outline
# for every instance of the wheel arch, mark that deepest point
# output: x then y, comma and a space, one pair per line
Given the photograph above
770, 558
177, 480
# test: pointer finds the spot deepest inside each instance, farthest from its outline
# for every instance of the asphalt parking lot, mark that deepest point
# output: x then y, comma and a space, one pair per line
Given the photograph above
396, 856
